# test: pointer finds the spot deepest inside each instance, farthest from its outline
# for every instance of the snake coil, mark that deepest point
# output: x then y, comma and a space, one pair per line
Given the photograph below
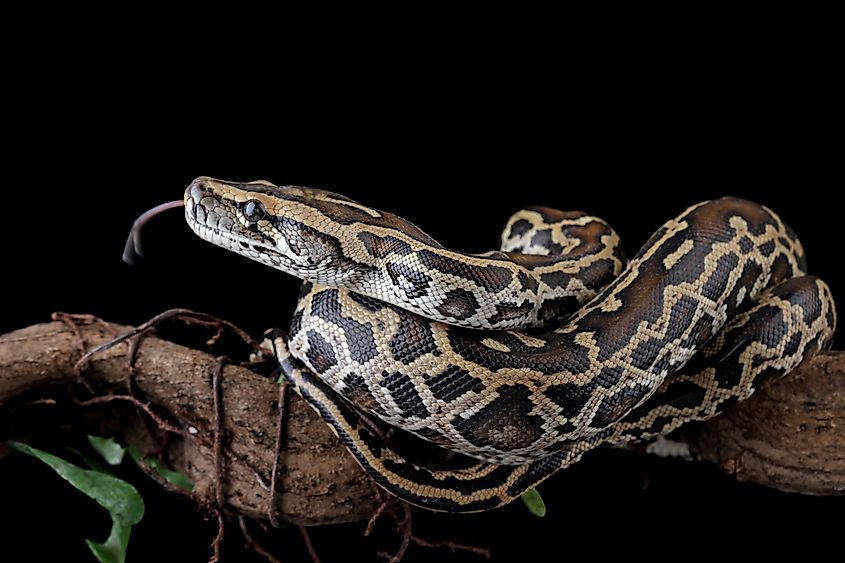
526, 357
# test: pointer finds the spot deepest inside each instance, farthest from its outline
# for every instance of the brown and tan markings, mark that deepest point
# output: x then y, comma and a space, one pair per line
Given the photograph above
713, 306
327, 238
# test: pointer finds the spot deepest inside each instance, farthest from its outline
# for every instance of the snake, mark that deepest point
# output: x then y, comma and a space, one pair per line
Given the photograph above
524, 358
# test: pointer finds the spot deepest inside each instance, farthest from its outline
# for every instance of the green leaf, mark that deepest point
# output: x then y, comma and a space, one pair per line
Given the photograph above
175, 478
108, 449
534, 502
90, 461
115, 495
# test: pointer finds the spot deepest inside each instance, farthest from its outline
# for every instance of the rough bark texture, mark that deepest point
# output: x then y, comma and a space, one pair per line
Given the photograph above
790, 436
322, 483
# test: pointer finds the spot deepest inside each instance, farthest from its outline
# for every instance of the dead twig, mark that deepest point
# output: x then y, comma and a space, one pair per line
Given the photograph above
252, 544
161, 423
453, 547
384, 502
276, 477
185, 315
218, 539
404, 526
217, 394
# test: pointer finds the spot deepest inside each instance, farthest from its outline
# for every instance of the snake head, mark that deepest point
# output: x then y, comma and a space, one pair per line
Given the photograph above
275, 225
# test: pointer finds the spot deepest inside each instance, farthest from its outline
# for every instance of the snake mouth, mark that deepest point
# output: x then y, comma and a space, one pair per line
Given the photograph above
214, 211
223, 237
212, 220
227, 240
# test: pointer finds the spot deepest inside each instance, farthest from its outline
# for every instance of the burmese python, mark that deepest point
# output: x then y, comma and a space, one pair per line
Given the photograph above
713, 306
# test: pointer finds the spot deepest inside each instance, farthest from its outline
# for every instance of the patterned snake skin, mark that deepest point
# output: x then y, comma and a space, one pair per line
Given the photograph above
713, 306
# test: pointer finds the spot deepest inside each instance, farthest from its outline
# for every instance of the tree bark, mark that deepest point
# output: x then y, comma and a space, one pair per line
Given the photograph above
790, 436
322, 484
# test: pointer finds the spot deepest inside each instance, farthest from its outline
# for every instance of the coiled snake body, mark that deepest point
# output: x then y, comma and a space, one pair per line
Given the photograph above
713, 306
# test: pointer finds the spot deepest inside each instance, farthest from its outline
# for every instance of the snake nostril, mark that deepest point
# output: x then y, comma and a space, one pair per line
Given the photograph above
198, 189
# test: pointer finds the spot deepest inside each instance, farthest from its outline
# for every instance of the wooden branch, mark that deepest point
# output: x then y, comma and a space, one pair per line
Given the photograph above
322, 484
790, 436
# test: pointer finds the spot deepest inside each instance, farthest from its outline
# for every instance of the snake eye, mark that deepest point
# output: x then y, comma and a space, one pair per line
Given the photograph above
253, 211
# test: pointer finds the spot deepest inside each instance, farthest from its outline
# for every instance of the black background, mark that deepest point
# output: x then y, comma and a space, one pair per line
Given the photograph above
454, 150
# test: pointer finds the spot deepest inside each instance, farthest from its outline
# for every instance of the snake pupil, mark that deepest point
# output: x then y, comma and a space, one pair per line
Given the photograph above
254, 211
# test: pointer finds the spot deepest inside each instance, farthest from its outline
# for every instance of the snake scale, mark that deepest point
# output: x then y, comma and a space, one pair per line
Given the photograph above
527, 357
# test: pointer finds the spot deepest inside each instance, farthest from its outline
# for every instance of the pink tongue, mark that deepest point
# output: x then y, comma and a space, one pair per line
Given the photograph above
133, 250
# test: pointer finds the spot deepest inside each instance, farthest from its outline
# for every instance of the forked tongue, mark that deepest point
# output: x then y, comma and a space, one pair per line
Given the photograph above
132, 251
